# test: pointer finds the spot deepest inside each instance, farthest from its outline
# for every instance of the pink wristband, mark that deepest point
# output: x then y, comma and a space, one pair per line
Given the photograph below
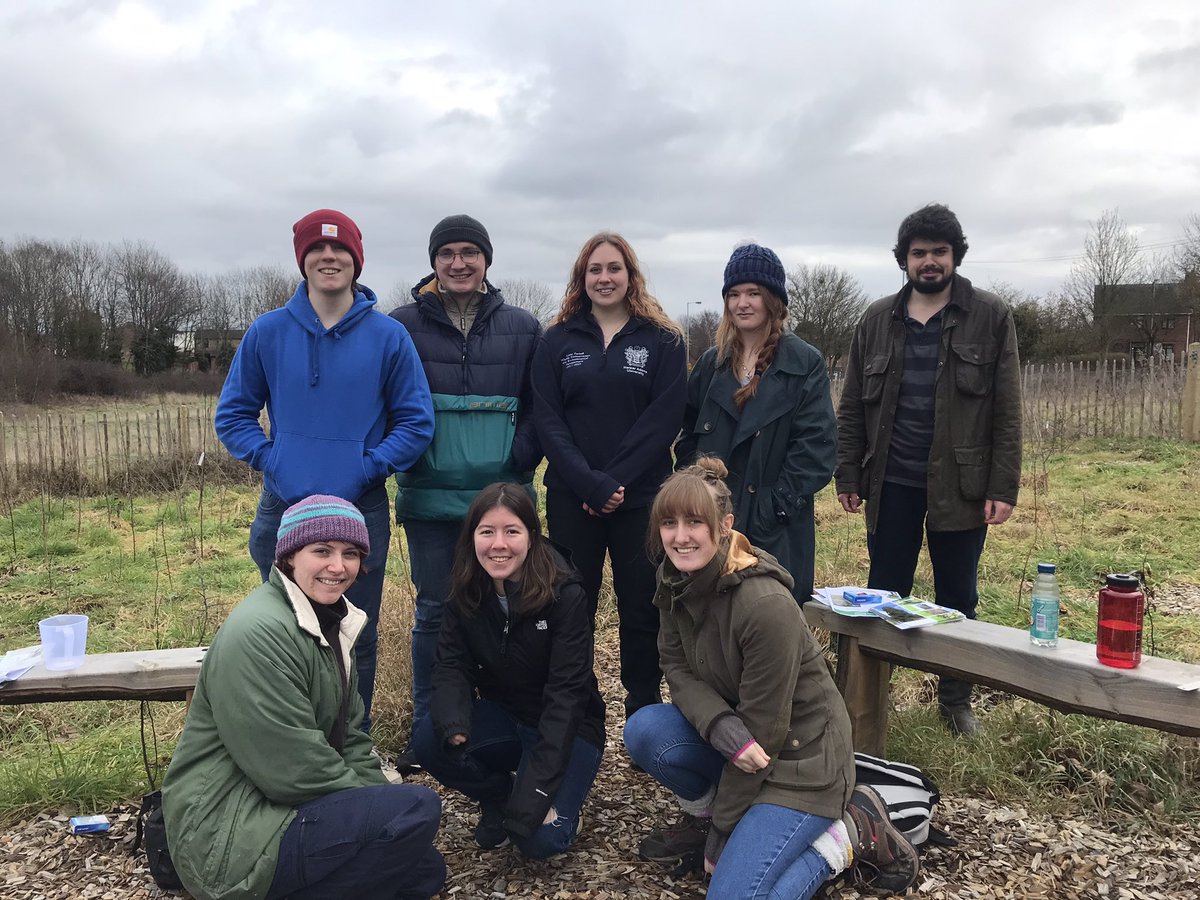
745, 747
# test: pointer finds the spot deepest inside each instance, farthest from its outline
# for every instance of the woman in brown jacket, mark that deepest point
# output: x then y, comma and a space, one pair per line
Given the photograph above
756, 742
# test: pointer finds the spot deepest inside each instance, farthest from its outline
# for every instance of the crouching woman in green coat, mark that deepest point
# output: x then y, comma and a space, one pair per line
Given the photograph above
274, 791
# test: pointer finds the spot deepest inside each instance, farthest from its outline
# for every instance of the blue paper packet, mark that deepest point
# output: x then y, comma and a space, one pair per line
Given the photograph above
88, 824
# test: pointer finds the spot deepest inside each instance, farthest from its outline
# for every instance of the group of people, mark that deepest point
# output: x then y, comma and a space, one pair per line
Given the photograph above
697, 488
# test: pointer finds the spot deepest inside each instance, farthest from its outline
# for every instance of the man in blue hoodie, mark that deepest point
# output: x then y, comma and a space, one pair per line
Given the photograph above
347, 400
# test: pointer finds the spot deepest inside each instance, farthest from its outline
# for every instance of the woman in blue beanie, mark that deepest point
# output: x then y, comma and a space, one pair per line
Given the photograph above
274, 789
759, 400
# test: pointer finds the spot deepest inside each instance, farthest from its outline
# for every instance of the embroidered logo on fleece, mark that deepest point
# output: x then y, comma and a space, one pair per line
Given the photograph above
328, 231
636, 359
541, 625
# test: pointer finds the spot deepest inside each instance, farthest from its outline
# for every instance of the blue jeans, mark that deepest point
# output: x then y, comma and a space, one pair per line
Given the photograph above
430, 558
482, 769
367, 591
769, 854
370, 843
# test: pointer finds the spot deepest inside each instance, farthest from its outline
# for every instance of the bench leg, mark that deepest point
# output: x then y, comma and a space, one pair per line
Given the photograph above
863, 681
187, 699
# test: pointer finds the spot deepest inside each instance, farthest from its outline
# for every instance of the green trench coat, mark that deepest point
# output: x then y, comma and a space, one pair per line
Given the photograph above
780, 448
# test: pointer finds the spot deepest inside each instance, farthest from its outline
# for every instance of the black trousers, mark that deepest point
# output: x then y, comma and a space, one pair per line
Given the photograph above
622, 535
894, 547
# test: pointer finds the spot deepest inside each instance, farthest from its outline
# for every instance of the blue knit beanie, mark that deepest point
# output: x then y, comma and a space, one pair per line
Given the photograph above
320, 518
755, 264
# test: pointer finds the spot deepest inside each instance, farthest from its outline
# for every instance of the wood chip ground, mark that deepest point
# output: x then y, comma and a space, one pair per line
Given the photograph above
1003, 852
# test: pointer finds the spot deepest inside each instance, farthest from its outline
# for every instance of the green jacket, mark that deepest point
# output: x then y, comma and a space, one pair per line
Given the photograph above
780, 449
254, 746
732, 641
976, 452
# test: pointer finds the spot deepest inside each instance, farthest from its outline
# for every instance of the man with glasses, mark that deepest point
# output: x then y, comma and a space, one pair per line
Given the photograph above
476, 350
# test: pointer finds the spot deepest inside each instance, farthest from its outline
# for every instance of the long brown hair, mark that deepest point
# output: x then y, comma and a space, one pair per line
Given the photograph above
470, 583
730, 346
641, 302
697, 490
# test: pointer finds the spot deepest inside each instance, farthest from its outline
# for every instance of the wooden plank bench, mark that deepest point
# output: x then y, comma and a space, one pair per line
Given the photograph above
1067, 677
136, 675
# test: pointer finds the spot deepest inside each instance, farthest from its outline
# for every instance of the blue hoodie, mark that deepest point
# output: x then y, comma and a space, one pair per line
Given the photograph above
348, 405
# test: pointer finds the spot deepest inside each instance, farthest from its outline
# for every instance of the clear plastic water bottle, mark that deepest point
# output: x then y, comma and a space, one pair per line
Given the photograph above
1044, 607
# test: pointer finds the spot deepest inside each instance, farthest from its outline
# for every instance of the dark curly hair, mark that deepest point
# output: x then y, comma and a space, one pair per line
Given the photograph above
933, 222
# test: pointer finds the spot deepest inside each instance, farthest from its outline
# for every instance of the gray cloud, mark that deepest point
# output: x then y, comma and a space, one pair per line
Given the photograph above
1076, 115
209, 126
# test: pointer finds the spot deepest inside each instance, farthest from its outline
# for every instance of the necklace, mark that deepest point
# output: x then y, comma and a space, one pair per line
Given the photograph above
749, 361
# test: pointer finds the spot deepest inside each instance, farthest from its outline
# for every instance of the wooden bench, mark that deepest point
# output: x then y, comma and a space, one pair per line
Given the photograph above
1067, 677
137, 675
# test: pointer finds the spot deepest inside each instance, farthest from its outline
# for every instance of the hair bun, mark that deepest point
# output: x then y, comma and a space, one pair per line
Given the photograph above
712, 465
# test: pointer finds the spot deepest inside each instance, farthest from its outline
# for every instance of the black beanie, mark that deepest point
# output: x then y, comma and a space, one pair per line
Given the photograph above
459, 228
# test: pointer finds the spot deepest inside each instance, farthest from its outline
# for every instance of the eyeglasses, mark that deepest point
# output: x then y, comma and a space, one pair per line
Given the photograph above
470, 255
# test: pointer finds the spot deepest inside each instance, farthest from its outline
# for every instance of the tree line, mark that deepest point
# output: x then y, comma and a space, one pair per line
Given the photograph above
128, 304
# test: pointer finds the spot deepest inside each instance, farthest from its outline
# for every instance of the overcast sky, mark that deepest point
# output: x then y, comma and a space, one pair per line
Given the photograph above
207, 127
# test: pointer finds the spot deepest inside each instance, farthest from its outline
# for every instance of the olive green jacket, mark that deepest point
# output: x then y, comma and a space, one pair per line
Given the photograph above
255, 743
733, 642
976, 451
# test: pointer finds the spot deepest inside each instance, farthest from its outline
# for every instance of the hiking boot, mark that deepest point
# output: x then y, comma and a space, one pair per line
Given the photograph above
884, 859
959, 719
490, 833
687, 836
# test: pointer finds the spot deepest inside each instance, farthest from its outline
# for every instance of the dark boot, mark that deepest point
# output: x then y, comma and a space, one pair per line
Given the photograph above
490, 833
687, 836
954, 706
884, 859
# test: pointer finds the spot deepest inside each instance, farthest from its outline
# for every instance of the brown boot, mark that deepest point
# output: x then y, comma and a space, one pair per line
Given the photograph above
673, 843
884, 859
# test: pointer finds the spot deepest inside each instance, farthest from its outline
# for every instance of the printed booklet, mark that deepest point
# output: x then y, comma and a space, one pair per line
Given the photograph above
907, 612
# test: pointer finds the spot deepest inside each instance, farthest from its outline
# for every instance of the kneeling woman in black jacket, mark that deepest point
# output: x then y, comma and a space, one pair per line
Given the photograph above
513, 686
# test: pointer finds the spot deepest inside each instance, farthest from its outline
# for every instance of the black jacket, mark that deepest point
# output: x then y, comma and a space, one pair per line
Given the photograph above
538, 669
607, 417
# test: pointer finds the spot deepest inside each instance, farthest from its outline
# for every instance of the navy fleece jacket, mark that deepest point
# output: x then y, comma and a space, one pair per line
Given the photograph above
607, 417
348, 405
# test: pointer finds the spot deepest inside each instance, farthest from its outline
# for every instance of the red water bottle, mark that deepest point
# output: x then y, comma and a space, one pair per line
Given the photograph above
1119, 622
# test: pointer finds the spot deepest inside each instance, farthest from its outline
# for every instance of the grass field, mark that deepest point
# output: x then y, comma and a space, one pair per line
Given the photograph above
164, 570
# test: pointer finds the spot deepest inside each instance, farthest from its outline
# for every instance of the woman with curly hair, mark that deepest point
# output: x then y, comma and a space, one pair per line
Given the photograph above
609, 384
760, 401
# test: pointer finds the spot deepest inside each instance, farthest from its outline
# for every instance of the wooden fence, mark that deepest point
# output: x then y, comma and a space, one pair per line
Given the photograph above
1106, 399
101, 447
1063, 402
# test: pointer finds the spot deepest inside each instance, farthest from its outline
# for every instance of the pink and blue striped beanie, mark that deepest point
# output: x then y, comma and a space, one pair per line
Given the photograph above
320, 518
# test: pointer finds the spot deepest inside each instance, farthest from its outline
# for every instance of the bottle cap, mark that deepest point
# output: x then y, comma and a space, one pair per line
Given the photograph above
1046, 568
1122, 580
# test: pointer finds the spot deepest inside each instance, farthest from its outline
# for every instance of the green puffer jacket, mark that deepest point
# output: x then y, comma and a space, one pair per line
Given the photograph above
254, 747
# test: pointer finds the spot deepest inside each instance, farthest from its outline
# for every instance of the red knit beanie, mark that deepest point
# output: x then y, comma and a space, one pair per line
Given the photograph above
328, 225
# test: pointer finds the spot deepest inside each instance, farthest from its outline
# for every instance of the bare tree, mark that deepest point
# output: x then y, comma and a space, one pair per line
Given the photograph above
159, 300
258, 290
702, 332
399, 295
534, 296
1111, 257
826, 303
1187, 254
